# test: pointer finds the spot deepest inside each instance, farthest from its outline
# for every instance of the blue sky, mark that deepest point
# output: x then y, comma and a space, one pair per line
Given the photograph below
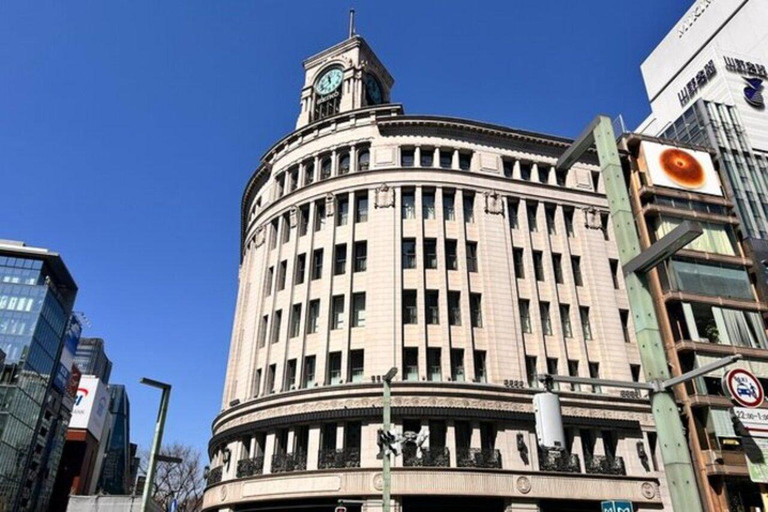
129, 129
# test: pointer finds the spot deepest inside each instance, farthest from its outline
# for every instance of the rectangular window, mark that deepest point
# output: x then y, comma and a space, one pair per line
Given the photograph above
361, 256
358, 310
319, 215
434, 370
543, 173
301, 266
469, 207
407, 157
271, 378
595, 180
576, 266
317, 264
615, 272
428, 204
519, 264
465, 161
604, 224
533, 226
530, 371
334, 368
634, 369
509, 167
594, 373
356, 365
549, 213
303, 220
286, 231
309, 372
361, 207
340, 260
409, 253
281, 271
268, 282
481, 374
476, 309
409, 204
538, 265
276, 321
573, 371
624, 315
557, 265
427, 157
585, 326
568, 218
409, 307
525, 170
342, 211
561, 177
411, 364
432, 307
446, 158
295, 320
525, 315
430, 253
565, 320
451, 258
337, 312
457, 365
290, 375
313, 316
273, 234
262, 339
512, 206
552, 370
449, 206
454, 308
471, 256
546, 321
309, 173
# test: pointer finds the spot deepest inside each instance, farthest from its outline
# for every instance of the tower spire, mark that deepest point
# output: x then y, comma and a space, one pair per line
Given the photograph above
351, 23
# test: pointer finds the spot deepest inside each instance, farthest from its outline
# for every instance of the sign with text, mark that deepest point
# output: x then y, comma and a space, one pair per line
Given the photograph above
617, 506
753, 421
743, 388
91, 406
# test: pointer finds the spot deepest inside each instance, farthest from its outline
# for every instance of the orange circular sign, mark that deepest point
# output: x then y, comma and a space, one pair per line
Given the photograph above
682, 168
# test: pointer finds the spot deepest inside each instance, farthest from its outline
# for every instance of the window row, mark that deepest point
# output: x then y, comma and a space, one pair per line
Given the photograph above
434, 365
427, 156
308, 379
409, 258
432, 308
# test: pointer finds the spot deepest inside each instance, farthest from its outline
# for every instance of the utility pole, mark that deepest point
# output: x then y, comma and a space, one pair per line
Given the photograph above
669, 427
386, 471
157, 440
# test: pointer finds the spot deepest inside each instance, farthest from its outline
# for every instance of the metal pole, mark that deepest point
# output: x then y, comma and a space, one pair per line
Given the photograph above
386, 464
669, 427
156, 441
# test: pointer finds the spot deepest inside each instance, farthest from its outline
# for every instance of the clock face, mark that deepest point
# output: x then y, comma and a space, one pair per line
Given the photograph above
372, 90
329, 82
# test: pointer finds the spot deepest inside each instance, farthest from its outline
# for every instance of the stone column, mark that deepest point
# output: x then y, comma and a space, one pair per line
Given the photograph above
368, 446
339, 435
269, 450
313, 447
289, 448
450, 441
474, 441
353, 159
334, 163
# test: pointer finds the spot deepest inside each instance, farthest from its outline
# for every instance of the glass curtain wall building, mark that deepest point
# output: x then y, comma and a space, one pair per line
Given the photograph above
37, 294
91, 359
116, 473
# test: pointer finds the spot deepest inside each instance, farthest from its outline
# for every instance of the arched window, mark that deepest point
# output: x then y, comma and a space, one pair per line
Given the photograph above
325, 168
344, 163
363, 160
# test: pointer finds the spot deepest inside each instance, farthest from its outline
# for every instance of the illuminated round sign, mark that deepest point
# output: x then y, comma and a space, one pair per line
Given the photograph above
743, 388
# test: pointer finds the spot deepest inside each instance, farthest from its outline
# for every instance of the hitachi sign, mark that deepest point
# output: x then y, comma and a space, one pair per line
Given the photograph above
689, 20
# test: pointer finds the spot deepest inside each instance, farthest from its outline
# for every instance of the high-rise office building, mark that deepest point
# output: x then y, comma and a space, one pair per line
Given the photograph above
453, 251
37, 335
706, 85
91, 359
116, 470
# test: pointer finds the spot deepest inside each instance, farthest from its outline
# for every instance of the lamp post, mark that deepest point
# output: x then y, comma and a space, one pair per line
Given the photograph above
386, 488
157, 440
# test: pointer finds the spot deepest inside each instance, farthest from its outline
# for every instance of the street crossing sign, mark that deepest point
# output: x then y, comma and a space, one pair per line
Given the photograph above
617, 506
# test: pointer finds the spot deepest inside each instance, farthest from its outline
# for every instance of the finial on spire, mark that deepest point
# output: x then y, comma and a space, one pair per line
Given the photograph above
351, 23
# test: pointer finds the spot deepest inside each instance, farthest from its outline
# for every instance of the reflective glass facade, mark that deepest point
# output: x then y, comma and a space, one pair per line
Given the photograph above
116, 473
34, 315
92, 360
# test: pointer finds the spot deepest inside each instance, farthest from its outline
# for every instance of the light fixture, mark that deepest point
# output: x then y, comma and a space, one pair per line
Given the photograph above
226, 454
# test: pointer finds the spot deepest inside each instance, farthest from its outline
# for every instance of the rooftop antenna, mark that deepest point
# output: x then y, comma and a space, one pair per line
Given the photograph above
351, 23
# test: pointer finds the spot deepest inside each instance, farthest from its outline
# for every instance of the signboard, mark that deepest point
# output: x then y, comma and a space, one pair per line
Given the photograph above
616, 506
679, 168
743, 388
754, 422
757, 459
91, 406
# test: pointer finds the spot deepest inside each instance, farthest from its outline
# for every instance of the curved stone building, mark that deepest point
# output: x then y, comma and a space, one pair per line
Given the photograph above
451, 250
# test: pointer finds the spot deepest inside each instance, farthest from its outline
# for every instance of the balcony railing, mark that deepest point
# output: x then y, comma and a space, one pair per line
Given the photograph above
559, 461
430, 457
287, 462
605, 465
214, 476
478, 458
342, 458
250, 467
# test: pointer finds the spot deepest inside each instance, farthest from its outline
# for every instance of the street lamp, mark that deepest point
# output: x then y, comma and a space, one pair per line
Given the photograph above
386, 475
158, 439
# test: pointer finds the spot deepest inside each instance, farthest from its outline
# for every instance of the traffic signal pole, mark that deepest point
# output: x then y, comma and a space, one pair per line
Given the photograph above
669, 427
386, 464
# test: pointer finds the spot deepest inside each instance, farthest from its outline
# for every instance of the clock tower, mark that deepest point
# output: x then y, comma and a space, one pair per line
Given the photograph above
345, 77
